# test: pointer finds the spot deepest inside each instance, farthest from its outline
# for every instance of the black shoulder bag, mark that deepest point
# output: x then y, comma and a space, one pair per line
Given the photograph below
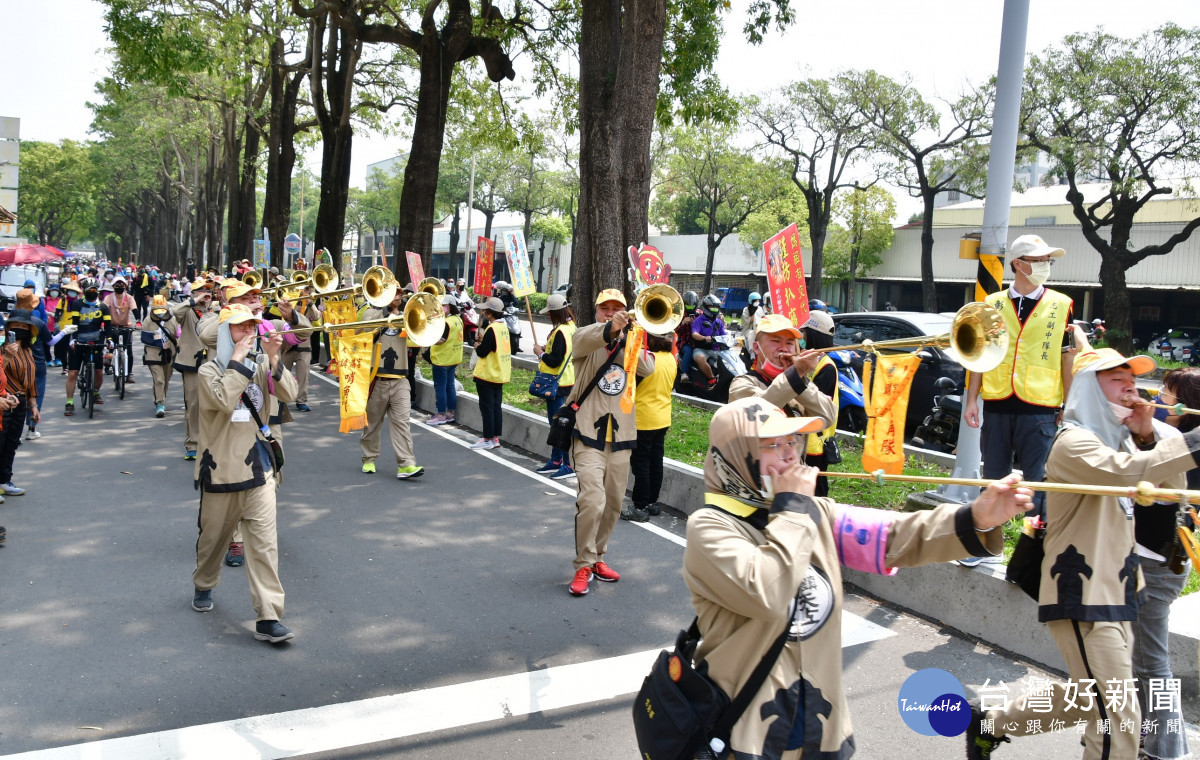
679, 713
276, 447
562, 427
1025, 565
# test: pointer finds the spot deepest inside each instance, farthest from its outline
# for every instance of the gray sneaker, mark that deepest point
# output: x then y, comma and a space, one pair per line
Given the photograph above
633, 514
202, 600
272, 631
10, 490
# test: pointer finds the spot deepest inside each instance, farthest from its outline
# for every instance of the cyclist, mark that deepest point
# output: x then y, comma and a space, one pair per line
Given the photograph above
92, 319
121, 306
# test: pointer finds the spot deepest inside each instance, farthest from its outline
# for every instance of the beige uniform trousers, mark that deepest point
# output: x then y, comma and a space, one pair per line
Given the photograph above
389, 402
1100, 651
161, 375
602, 477
220, 514
191, 417
297, 362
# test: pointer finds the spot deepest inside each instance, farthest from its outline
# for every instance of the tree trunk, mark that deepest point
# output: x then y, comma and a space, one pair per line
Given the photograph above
818, 227
241, 242
1118, 313
281, 152
620, 55
541, 284
455, 225
232, 157
929, 301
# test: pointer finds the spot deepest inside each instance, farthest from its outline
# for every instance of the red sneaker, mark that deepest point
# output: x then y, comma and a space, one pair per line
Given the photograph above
579, 585
605, 573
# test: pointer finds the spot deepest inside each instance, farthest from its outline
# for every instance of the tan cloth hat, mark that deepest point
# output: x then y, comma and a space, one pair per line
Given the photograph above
236, 313
554, 303
777, 323
1100, 359
610, 294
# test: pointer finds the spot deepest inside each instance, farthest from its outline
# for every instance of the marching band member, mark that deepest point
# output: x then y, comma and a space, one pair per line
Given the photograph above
764, 554
236, 464
1090, 574
160, 348
389, 397
189, 315
604, 436
297, 353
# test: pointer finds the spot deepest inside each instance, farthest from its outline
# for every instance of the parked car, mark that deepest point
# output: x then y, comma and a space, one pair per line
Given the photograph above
13, 279
855, 327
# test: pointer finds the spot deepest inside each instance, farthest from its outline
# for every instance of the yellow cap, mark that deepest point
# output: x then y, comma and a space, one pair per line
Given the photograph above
610, 294
236, 313
777, 323
773, 423
158, 301
1100, 359
237, 289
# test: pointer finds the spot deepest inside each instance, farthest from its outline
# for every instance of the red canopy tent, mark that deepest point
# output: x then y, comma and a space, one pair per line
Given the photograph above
25, 253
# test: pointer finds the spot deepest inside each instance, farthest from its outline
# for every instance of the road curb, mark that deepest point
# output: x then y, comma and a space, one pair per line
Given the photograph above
977, 601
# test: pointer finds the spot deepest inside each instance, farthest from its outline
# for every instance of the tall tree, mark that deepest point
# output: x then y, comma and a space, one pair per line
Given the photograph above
57, 192
817, 128
866, 232
1122, 112
728, 184
927, 158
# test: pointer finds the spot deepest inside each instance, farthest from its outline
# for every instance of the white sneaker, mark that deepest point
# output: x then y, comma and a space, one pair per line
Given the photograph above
33, 435
482, 443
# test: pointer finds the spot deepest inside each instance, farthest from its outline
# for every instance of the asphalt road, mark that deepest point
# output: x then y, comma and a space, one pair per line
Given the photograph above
431, 616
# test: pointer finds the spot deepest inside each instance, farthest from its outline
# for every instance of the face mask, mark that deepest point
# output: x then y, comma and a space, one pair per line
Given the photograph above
802, 343
768, 489
91, 296
1123, 412
1039, 272
2, 338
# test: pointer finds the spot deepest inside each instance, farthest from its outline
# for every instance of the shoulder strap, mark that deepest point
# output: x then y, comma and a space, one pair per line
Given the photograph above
595, 380
264, 429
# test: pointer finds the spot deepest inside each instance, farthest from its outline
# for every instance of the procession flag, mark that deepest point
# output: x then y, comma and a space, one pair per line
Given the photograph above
354, 352
785, 275
485, 257
416, 270
889, 379
337, 311
518, 263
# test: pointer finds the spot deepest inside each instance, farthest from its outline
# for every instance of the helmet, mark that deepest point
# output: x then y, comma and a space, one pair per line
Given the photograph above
754, 296
1097, 321
711, 304
690, 299
817, 305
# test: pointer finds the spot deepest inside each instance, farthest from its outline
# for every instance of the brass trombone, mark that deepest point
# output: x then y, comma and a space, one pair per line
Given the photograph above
1143, 493
432, 285
291, 290
378, 287
422, 321
977, 339
658, 309
252, 278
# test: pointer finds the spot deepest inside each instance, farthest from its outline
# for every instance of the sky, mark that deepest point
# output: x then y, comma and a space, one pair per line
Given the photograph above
55, 52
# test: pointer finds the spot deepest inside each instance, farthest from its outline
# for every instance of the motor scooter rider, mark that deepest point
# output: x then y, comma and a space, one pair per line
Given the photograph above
706, 328
683, 333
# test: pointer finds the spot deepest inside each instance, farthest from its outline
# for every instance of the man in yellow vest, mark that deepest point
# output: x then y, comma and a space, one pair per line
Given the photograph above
1023, 396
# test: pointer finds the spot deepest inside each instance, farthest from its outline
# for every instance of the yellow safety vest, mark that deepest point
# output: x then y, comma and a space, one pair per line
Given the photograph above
567, 378
1032, 369
496, 367
816, 441
450, 353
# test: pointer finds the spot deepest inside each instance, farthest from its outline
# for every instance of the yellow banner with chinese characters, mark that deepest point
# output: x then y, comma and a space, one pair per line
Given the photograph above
888, 381
354, 354
338, 312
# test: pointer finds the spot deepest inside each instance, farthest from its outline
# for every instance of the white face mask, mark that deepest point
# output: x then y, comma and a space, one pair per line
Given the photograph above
768, 489
1039, 272
1123, 412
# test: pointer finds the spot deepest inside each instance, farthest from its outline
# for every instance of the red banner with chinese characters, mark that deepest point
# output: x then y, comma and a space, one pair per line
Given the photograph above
416, 270
785, 275
485, 256
889, 379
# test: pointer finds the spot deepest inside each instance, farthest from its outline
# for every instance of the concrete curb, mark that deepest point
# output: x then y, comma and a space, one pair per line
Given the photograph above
977, 601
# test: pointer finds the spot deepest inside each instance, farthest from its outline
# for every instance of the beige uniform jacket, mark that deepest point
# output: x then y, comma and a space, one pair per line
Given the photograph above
1090, 571
790, 391
602, 407
392, 352
749, 576
154, 356
231, 458
191, 351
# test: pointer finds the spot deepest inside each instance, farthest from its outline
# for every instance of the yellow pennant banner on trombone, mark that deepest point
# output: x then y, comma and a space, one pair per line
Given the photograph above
354, 354
889, 379
338, 311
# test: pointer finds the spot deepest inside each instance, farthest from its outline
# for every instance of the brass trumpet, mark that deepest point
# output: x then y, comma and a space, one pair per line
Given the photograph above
422, 321
977, 339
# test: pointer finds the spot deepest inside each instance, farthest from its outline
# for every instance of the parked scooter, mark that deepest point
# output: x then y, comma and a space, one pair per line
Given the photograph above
852, 413
939, 430
726, 364
512, 320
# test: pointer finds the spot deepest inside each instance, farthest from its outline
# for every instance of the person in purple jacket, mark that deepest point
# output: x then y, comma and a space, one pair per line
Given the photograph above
706, 328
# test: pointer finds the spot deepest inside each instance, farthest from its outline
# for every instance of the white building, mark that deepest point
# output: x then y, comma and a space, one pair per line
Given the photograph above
10, 176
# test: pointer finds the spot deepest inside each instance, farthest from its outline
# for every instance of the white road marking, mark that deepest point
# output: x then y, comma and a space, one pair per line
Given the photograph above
350, 724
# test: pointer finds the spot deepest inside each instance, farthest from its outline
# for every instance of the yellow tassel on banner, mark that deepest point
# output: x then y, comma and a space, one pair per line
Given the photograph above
633, 347
887, 408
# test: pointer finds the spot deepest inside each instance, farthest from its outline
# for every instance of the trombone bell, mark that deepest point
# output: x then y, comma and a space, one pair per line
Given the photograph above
658, 309
379, 287
978, 338
424, 320
252, 278
432, 285
324, 278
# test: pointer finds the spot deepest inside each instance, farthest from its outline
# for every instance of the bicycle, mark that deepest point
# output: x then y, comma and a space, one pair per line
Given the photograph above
87, 377
121, 369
